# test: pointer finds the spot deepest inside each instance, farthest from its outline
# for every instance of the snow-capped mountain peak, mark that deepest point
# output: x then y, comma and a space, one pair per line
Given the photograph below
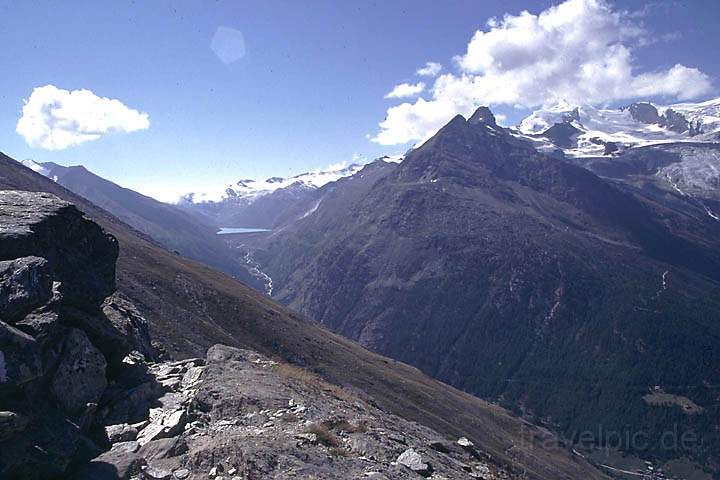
542, 119
248, 190
604, 131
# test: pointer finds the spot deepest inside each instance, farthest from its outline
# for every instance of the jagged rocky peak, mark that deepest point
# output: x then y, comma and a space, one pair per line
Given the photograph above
644, 112
562, 134
483, 116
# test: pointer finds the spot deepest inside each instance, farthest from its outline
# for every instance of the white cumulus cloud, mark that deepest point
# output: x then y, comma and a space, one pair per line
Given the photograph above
431, 69
55, 119
405, 90
580, 51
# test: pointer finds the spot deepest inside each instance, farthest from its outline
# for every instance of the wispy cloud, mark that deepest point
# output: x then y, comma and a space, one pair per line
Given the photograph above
579, 50
431, 69
405, 90
55, 119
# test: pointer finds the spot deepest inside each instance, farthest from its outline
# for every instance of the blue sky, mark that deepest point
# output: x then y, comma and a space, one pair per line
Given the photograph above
309, 90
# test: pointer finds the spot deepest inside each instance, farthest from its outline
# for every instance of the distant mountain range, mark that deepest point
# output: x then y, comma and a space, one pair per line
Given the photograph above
268, 202
580, 133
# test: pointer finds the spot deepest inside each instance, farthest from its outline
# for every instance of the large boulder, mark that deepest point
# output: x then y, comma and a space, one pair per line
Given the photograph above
19, 357
120, 463
25, 283
131, 324
224, 353
80, 254
116, 328
414, 461
80, 377
42, 449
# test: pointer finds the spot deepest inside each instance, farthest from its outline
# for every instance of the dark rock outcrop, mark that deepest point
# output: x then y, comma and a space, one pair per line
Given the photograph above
80, 254
80, 377
644, 112
562, 135
19, 357
59, 336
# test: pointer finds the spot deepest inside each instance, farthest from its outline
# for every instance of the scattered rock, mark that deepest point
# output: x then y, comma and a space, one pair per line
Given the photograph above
129, 447
181, 474
414, 461
440, 446
155, 473
168, 424
465, 443
307, 437
116, 464
121, 433
150, 433
163, 448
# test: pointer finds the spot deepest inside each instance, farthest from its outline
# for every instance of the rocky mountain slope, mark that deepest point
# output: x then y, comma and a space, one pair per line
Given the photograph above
238, 414
190, 307
520, 277
170, 226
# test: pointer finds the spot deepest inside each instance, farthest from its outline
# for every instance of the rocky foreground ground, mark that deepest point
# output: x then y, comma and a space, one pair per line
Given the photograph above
239, 415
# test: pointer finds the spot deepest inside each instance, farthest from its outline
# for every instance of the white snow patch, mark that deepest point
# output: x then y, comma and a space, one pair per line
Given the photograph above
36, 167
313, 209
